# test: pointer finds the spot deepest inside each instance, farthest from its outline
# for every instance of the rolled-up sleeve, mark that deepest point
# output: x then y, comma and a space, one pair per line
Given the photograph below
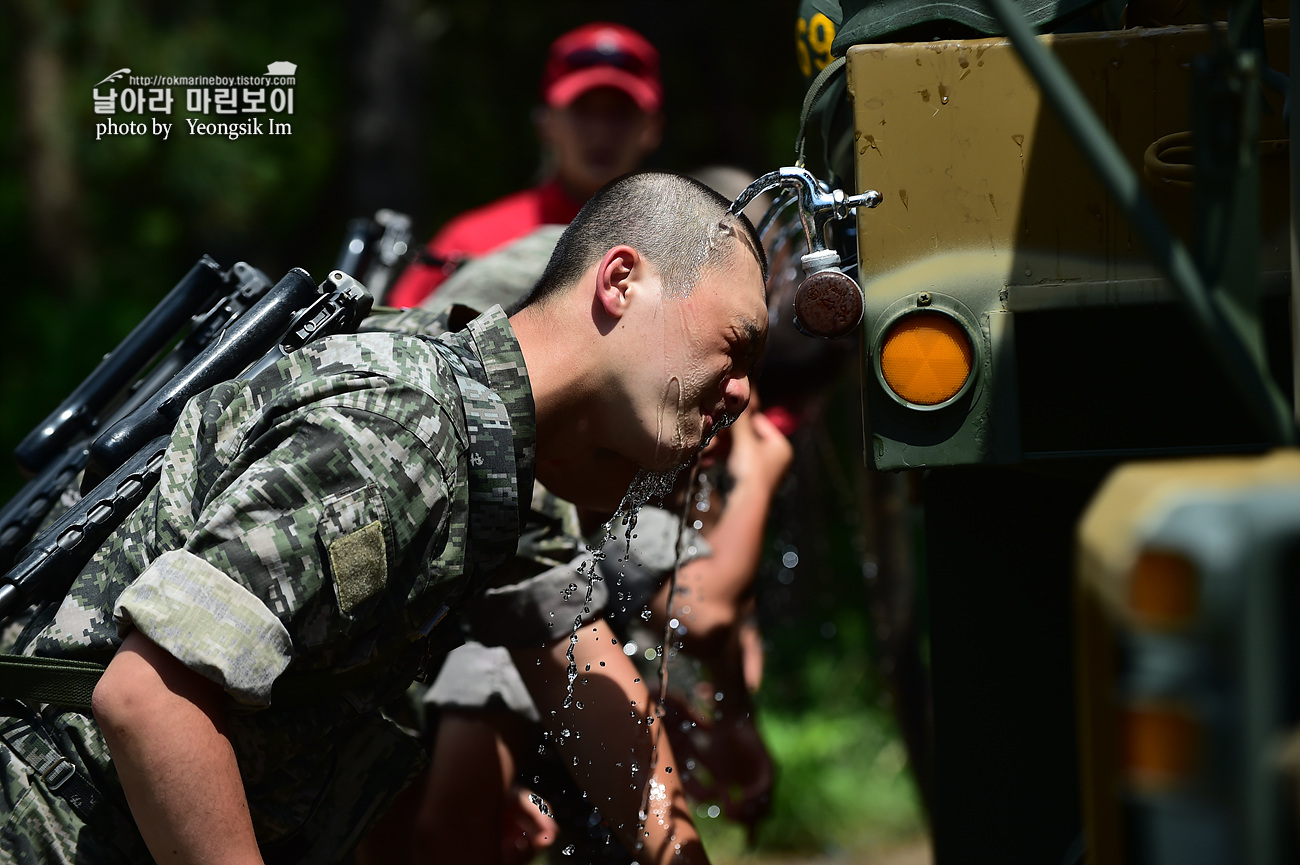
208, 622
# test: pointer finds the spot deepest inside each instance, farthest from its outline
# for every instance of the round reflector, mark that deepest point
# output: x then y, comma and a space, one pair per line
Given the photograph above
1163, 589
926, 358
1161, 745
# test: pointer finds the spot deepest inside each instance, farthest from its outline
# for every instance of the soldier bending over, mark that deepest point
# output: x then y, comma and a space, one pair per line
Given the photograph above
312, 525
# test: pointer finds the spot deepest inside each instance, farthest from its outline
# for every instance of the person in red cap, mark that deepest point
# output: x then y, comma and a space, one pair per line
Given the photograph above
601, 117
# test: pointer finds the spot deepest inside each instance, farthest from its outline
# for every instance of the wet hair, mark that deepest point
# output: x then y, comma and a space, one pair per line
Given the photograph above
680, 225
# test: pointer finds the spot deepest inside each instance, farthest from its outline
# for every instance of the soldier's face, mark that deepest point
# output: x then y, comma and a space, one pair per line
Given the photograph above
698, 354
601, 135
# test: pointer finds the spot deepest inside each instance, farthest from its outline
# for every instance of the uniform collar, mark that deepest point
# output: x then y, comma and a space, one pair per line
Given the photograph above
494, 343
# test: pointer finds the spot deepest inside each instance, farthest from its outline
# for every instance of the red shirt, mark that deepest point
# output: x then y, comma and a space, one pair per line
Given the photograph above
480, 231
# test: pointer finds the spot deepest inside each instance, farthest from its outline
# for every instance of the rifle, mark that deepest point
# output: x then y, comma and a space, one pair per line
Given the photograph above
129, 456
59, 447
77, 414
373, 249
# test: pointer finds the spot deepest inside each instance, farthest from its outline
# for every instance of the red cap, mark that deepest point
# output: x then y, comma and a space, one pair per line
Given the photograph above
603, 55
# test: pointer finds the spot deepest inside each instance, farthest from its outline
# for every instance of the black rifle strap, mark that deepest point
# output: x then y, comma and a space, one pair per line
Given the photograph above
818, 87
59, 681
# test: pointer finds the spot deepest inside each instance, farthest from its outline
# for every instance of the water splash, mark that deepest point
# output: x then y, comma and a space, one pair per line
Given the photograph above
654, 788
645, 486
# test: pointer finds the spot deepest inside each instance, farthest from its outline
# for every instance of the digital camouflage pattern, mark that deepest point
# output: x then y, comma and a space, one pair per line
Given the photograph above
526, 598
536, 598
314, 522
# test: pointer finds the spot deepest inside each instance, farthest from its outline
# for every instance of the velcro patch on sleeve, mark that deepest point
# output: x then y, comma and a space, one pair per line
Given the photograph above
359, 565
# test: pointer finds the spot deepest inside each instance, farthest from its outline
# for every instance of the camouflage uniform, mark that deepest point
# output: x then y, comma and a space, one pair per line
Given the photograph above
547, 587
315, 523
543, 609
537, 598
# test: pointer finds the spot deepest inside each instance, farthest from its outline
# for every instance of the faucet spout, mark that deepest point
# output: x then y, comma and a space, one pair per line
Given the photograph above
829, 303
818, 205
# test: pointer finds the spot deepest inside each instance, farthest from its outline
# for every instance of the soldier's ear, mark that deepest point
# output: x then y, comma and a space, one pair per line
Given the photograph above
614, 279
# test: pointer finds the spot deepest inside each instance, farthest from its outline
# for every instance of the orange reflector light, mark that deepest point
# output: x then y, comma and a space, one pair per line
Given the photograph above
926, 358
1161, 745
1163, 589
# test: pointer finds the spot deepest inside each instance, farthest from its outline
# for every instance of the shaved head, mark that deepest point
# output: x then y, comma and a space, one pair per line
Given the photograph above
680, 226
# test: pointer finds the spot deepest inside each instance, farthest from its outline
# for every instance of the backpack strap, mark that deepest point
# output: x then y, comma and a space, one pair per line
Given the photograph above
816, 90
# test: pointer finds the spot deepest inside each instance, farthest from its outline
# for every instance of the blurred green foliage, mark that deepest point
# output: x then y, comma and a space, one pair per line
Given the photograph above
844, 786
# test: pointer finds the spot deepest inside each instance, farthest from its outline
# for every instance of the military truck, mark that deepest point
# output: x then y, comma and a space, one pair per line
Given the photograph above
1081, 258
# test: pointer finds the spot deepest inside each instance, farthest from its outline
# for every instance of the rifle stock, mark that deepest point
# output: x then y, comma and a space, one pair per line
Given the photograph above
293, 313
249, 337
23, 514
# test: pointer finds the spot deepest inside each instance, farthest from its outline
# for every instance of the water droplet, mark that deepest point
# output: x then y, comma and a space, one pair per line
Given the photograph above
790, 559
569, 851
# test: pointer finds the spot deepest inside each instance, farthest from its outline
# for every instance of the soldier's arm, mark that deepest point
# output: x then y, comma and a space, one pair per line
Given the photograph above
610, 747
166, 729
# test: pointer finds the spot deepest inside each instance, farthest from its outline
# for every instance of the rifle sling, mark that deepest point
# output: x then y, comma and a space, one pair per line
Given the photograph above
68, 683
60, 681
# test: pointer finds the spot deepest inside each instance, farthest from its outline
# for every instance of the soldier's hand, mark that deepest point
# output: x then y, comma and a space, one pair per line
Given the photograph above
760, 454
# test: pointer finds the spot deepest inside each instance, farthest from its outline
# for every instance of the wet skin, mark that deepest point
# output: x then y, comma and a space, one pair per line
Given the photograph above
662, 371
699, 351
